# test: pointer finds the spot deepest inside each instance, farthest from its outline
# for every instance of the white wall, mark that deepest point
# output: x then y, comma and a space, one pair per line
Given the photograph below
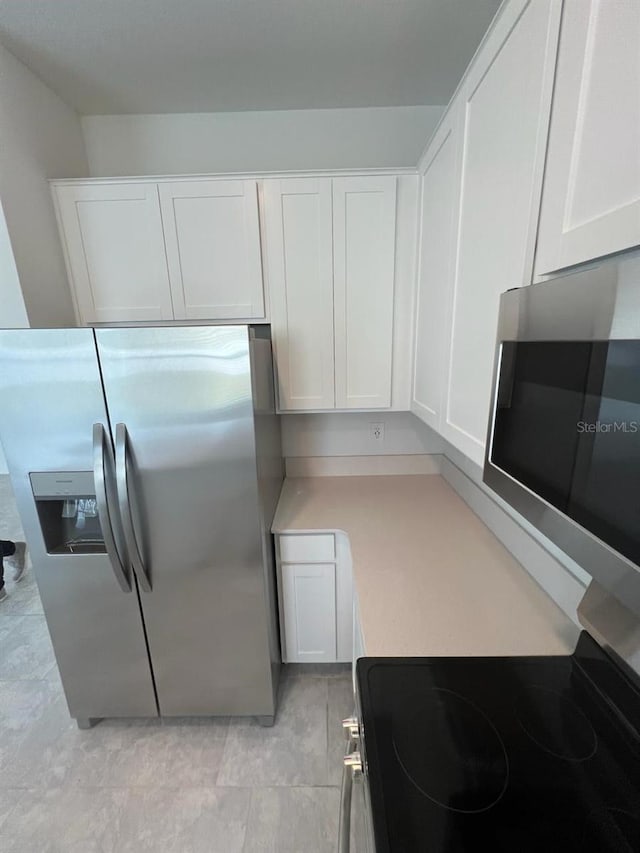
349, 434
40, 138
13, 314
257, 141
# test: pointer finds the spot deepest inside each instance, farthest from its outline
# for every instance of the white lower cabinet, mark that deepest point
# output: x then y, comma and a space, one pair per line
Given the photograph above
316, 599
309, 605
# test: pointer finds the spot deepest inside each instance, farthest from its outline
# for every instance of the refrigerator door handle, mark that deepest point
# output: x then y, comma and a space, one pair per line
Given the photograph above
124, 502
104, 514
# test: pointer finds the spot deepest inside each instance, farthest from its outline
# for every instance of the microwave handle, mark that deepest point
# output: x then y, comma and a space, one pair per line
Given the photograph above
352, 765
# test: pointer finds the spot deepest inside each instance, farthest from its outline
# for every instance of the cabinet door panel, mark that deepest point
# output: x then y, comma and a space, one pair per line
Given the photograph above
591, 200
309, 607
212, 235
299, 263
506, 102
438, 229
364, 228
115, 251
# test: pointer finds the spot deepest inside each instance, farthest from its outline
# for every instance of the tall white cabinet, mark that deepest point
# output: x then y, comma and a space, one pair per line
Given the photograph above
439, 207
330, 255
315, 594
591, 200
482, 179
114, 243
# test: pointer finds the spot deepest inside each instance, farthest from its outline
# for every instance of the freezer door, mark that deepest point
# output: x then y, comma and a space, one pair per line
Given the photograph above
182, 399
51, 399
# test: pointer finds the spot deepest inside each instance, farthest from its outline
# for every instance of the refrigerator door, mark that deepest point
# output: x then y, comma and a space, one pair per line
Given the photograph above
52, 398
181, 400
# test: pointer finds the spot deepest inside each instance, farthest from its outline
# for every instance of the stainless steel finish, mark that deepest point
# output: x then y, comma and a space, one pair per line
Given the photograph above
601, 303
52, 382
355, 823
270, 473
204, 449
354, 761
100, 450
124, 503
346, 794
58, 484
350, 725
613, 626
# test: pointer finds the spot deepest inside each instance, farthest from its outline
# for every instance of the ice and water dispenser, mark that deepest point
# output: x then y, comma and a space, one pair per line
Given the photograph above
66, 504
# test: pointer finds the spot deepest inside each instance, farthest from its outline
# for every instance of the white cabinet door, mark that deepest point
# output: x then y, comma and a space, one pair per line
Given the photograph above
309, 606
212, 234
591, 200
115, 251
299, 265
506, 102
440, 194
364, 238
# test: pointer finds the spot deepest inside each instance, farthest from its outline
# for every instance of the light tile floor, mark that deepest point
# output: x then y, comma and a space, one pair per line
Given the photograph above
176, 786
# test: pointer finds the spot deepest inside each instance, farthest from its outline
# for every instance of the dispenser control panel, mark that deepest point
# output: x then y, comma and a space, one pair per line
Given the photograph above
49, 485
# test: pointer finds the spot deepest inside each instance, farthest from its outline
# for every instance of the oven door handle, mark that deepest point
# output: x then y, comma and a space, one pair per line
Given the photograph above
352, 765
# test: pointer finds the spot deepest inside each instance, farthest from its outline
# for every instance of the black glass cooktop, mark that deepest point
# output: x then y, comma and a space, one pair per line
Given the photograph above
502, 754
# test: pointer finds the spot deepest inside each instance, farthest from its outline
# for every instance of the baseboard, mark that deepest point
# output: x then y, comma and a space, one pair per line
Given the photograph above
556, 580
362, 466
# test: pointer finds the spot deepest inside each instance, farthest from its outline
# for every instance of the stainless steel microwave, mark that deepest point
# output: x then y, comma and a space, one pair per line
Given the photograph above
563, 444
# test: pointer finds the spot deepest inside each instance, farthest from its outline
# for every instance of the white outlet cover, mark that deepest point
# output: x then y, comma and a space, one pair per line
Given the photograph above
377, 432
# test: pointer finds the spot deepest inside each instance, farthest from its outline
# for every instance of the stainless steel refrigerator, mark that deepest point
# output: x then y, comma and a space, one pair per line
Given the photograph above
146, 463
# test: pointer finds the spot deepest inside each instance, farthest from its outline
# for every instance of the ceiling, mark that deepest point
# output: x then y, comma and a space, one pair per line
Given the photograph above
165, 56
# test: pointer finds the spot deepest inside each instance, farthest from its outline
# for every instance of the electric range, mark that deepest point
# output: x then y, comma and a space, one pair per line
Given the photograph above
501, 754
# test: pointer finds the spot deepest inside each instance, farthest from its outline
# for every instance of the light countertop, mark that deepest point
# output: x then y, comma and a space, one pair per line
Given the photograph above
430, 577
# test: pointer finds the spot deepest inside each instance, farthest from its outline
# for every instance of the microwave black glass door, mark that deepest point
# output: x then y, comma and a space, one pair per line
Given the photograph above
567, 426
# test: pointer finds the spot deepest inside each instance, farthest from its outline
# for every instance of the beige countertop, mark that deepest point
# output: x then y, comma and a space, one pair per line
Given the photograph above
430, 577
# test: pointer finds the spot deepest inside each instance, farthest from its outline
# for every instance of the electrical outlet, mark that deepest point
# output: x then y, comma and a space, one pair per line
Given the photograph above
377, 432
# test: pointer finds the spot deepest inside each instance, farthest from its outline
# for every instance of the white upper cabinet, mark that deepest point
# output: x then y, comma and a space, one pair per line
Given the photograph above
212, 236
481, 191
299, 263
114, 246
330, 256
438, 229
591, 200
364, 233
506, 103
